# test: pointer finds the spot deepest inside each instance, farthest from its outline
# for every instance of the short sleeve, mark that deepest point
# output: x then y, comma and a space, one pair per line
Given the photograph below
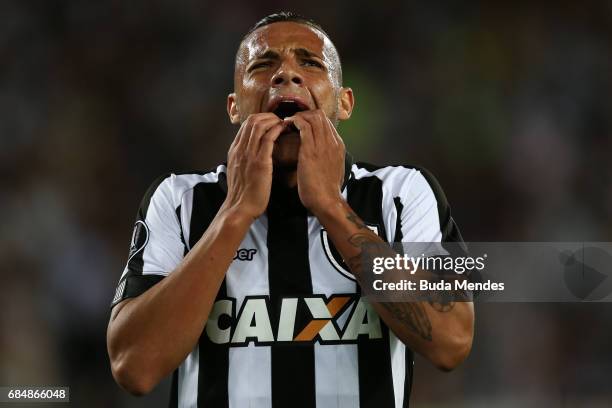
426, 214
427, 218
156, 246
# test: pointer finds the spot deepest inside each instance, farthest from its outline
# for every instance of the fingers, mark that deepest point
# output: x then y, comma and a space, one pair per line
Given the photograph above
261, 125
239, 137
258, 133
267, 142
316, 130
304, 128
335, 134
253, 127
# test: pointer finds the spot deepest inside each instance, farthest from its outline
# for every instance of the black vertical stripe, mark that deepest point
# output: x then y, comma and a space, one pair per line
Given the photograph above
409, 356
293, 366
178, 215
409, 361
213, 358
399, 207
364, 196
174, 390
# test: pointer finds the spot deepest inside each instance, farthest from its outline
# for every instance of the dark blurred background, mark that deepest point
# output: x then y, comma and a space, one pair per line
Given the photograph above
508, 104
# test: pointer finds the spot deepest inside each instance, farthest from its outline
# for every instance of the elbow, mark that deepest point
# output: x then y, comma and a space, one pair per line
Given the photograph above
128, 372
131, 379
129, 369
452, 354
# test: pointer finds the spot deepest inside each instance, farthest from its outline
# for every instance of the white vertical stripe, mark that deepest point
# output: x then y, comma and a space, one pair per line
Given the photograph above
390, 219
395, 184
164, 249
336, 376
397, 350
348, 375
397, 181
325, 278
336, 366
188, 380
420, 218
250, 368
250, 377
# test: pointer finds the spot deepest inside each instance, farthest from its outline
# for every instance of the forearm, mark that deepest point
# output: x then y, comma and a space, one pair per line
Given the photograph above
441, 333
175, 310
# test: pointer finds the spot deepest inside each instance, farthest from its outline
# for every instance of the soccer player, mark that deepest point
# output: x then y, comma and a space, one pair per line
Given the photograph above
235, 280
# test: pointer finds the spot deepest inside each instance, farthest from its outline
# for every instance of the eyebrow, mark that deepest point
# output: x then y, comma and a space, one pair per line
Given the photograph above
303, 52
300, 52
267, 55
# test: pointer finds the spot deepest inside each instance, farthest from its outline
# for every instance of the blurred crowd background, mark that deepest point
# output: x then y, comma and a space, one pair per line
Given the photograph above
507, 103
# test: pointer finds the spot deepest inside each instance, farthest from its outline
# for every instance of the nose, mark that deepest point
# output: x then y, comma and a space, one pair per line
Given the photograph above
287, 75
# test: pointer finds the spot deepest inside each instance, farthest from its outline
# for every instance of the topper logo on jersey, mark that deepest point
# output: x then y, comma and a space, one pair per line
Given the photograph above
255, 323
245, 254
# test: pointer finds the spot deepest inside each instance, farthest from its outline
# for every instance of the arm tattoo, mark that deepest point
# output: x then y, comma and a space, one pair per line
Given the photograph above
352, 217
442, 301
442, 307
413, 315
360, 240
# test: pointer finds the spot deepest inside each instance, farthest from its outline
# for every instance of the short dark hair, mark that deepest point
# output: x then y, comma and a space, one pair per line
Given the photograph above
288, 16
282, 16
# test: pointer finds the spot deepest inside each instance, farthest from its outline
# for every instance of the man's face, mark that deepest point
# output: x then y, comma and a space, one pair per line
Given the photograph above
286, 67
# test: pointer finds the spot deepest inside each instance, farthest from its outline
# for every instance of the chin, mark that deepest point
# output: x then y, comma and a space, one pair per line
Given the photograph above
286, 150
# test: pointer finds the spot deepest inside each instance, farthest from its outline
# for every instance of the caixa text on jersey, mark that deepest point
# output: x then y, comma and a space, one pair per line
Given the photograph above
341, 318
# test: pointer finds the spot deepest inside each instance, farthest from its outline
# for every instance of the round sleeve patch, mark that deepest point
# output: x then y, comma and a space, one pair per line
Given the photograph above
140, 237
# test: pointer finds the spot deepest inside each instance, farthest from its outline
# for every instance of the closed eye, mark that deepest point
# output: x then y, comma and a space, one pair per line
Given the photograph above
312, 63
259, 65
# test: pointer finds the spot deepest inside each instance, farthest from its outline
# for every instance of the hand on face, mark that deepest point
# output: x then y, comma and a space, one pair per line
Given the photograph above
279, 62
320, 168
249, 163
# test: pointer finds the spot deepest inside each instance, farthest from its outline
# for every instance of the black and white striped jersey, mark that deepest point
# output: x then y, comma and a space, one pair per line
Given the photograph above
289, 327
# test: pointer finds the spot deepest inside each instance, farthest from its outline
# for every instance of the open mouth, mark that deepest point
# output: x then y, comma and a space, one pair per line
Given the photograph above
288, 108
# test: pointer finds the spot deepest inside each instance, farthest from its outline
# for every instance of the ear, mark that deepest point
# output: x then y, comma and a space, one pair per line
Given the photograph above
232, 109
346, 101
